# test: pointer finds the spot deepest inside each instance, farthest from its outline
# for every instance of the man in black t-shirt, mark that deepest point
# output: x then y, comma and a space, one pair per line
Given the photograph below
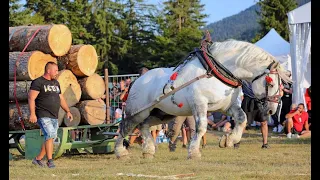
45, 99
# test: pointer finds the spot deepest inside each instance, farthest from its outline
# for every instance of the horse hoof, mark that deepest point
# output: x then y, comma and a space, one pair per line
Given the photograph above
225, 141
222, 142
125, 157
148, 156
194, 156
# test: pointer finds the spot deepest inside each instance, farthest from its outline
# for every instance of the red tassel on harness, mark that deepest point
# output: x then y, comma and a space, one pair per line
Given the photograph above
180, 105
174, 76
269, 79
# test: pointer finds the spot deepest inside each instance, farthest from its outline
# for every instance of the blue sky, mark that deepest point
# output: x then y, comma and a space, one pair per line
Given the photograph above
219, 9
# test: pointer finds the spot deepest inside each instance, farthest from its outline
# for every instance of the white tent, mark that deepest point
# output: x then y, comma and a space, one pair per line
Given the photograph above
299, 21
274, 44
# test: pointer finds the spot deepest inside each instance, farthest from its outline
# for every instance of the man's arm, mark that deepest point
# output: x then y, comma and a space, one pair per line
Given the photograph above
306, 125
288, 90
290, 115
65, 107
64, 104
123, 93
33, 94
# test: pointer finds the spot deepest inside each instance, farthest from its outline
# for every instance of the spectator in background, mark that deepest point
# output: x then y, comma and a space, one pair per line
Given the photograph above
117, 119
296, 124
286, 105
254, 113
307, 97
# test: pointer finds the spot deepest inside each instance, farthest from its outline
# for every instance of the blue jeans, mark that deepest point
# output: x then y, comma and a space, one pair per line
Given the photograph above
49, 127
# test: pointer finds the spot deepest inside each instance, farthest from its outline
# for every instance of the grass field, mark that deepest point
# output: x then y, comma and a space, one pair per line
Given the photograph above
286, 159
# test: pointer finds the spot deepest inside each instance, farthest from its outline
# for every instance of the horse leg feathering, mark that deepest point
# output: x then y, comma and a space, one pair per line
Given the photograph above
240, 123
127, 126
200, 115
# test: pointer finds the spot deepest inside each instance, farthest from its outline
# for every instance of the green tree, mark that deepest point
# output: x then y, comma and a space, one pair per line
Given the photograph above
17, 15
52, 11
273, 14
138, 30
78, 19
104, 25
180, 30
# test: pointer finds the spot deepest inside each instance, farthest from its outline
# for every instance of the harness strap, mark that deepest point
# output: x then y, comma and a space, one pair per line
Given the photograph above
160, 98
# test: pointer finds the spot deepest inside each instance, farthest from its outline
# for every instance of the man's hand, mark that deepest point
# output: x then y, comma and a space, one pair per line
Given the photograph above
33, 118
69, 116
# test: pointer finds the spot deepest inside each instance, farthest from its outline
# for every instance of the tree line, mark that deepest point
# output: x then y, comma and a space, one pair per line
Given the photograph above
127, 34
130, 34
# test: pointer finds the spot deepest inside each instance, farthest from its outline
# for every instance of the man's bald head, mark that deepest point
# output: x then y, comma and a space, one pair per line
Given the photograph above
51, 69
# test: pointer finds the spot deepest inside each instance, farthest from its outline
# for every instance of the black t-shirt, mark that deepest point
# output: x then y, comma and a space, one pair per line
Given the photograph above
48, 99
286, 86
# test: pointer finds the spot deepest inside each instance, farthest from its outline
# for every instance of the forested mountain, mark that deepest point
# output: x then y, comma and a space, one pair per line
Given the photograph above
241, 26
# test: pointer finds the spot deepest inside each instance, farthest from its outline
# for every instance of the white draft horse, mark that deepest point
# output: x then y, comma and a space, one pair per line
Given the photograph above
246, 62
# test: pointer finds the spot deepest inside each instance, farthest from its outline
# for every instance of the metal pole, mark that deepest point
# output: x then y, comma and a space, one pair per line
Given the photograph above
106, 81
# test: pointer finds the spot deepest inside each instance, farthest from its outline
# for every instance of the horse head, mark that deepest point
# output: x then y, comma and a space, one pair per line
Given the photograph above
251, 63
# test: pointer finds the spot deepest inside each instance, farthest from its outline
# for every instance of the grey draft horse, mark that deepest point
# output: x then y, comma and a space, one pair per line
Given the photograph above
246, 62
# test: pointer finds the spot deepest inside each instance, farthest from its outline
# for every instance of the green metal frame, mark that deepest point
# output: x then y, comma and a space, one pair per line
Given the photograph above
97, 141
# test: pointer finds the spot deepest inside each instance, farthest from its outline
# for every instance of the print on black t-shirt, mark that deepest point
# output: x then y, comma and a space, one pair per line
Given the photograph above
48, 99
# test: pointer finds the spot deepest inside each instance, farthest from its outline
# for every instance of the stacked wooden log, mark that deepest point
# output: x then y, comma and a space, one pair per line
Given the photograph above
81, 87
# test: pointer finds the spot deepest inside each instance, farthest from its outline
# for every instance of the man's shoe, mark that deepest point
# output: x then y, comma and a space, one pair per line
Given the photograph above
280, 128
295, 136
289, 135
50, 164
184, 146
37, 162
265, 146
275, 129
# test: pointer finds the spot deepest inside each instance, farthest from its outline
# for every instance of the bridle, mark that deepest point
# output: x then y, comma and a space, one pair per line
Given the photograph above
276, 97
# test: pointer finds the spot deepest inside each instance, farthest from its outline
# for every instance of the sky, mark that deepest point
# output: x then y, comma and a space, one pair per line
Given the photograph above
219, 9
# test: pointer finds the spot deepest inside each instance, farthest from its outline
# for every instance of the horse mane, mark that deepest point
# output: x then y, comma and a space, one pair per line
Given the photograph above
246, 56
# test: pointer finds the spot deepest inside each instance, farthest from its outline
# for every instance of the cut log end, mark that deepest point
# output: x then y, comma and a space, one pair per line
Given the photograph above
93, 112
70, 88
92, 87
76, 117
59, 39
87, 60
37, 63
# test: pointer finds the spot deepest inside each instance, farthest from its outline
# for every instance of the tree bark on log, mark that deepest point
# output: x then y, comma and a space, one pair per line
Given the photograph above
92, 87
69, 86
22, 89
30, 66
14, 123
76, 117
51, 39
81, 59
93, 112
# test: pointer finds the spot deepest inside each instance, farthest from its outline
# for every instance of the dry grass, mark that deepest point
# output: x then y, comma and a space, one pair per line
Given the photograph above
287, 159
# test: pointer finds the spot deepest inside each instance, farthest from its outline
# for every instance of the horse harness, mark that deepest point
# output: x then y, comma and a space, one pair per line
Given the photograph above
216, 69
276, 97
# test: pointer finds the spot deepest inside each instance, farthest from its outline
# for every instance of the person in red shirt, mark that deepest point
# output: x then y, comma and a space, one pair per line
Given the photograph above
307, 97
297, 123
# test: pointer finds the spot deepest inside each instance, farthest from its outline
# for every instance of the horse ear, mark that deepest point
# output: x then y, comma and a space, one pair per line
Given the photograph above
275, 65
